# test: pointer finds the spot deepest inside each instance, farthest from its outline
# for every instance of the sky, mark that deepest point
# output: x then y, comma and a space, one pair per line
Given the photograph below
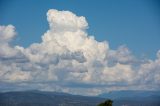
64, 45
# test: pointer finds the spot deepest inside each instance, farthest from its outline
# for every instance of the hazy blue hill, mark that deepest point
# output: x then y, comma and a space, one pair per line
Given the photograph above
129, 93
134, 98
39, 98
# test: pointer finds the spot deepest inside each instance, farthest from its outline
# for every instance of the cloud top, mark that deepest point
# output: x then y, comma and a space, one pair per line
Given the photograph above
65, 21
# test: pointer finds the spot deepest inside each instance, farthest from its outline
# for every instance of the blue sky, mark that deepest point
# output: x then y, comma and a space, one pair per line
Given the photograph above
85, 47
134, 23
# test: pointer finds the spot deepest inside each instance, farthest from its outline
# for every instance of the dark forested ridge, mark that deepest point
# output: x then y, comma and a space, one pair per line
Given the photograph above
39, 98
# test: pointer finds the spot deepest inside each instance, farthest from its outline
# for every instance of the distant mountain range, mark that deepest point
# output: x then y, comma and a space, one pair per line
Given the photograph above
129, 94
41, 98
133, 98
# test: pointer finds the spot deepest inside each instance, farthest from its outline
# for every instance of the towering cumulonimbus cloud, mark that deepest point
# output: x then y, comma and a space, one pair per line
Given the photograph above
69, 60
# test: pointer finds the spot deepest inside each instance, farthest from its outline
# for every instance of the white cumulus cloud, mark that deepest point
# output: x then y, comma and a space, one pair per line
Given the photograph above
70, 60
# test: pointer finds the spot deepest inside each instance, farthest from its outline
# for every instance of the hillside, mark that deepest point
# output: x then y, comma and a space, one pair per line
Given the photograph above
133, 98
39, 98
